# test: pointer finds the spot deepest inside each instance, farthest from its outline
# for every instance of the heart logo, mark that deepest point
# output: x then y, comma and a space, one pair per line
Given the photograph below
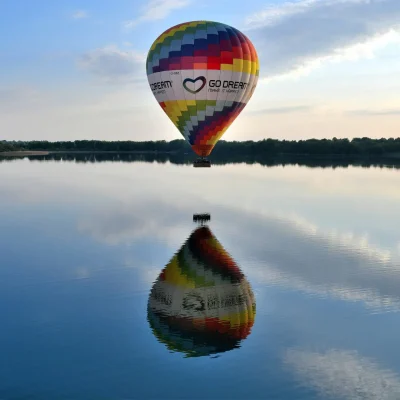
199, 78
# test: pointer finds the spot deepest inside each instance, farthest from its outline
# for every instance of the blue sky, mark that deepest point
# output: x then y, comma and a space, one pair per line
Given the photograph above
75, 70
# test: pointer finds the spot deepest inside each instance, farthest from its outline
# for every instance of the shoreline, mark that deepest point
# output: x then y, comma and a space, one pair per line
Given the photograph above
46, 153
20, 153
23, 153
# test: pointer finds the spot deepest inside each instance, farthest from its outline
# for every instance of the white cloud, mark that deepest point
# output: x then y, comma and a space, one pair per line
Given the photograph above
292, 39
157, 10
372, 113
79, 14
340, 264
324, 263
124, 227
114, 65
296, 37
344, 374
282, 110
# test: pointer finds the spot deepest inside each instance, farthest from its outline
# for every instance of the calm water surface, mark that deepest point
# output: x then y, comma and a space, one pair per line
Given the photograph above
109, 290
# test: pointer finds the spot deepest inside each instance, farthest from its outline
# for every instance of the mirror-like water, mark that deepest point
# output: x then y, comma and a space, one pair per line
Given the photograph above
109, 290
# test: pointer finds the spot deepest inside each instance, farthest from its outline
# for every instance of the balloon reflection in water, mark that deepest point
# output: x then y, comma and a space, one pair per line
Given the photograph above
201, 303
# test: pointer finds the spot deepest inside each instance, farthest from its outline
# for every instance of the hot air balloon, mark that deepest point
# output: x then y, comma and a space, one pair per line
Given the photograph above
201, 303
202, 74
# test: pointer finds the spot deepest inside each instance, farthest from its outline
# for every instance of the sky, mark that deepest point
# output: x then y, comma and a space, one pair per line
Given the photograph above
73, 70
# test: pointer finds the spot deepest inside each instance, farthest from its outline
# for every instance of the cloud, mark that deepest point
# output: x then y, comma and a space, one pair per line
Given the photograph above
372, 113
344, 374
157, 10
291, 39
338, 264
114, 65
298, 36
79, 14
324, 263
124, 227
281, 110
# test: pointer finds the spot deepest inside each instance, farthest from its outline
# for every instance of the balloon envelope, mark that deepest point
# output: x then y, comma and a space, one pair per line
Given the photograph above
201, 303
202, 74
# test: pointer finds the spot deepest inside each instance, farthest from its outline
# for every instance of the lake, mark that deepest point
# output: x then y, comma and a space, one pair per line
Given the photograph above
110, 290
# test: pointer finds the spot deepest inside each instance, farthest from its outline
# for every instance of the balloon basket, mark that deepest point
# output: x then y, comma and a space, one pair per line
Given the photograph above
202, 163
201, 218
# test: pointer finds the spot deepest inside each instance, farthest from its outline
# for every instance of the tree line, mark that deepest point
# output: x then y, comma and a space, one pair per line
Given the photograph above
267, 147
181, 159
5, 146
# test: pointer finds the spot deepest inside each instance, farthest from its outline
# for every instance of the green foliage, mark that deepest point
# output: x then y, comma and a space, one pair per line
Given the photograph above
267, 147
5, 146
357, 146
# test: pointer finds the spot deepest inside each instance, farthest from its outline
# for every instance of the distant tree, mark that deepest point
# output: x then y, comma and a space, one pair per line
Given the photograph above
248, 150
